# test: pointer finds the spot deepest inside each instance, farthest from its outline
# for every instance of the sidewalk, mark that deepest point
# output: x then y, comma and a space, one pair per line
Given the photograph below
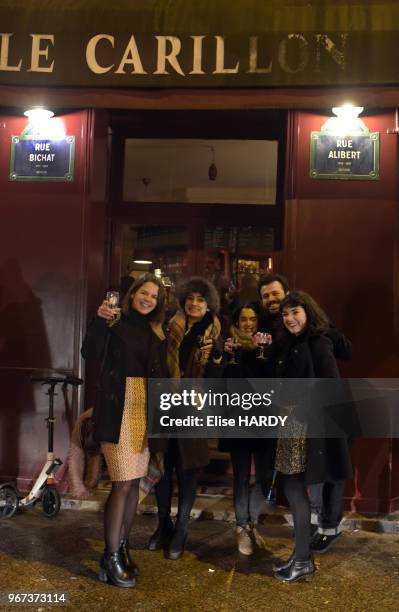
39, 555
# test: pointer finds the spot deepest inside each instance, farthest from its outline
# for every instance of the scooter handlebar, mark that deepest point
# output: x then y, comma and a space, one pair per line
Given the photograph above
54, 380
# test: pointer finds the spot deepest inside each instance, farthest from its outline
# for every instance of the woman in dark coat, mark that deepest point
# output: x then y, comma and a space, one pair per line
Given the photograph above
306, 352
131, 349
193, 336
247, 502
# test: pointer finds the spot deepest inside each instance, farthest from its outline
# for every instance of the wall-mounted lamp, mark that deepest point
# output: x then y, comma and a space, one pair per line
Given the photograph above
38, 114
40, 126
346, 121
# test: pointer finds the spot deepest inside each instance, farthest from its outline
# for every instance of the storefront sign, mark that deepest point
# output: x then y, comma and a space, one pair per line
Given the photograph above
353, 156
42, 160
254, 43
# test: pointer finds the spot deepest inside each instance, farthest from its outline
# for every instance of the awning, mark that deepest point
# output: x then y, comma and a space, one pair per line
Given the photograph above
203, 44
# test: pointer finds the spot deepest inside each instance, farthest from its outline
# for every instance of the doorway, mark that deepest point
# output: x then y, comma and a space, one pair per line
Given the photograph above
197, 193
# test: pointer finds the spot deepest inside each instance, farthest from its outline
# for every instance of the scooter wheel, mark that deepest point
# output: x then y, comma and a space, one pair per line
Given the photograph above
8, 501
51, 501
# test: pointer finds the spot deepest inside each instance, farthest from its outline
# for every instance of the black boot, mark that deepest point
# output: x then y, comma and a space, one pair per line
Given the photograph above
162, 536
175, 549
127, 559
284, 564
298, 570
112, 569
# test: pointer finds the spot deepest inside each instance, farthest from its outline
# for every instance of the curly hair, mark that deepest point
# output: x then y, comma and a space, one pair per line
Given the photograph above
156, 315
198, 284
316, 319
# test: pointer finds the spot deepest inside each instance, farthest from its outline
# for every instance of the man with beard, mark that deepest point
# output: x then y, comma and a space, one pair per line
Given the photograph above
326, 498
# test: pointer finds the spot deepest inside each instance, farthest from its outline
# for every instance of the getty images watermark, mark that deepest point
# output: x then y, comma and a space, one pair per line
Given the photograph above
267, 408
213, 408
200, 400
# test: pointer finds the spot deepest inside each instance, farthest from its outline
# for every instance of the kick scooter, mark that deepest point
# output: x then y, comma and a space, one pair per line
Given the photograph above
43, 489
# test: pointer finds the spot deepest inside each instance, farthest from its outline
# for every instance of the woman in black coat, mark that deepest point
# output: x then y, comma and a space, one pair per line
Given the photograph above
247, 502
193, 334
306, 352
131, 349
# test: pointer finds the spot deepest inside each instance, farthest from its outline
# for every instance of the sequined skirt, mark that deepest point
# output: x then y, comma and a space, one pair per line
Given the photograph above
291, 449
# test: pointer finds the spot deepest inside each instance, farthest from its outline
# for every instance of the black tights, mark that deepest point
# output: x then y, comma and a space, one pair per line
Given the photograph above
187, 486
119, 512
298, 500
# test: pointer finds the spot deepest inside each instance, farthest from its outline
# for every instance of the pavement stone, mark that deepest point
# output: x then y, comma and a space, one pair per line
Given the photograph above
217, 503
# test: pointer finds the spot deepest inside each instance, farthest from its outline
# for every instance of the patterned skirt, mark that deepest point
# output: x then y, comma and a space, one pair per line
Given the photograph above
128, 459
291, 449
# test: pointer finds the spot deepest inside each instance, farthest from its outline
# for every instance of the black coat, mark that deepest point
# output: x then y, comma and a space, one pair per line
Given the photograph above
111, 395
248, 366
273, 324
312, 356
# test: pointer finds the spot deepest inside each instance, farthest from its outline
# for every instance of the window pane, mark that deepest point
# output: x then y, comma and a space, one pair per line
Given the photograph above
200, 171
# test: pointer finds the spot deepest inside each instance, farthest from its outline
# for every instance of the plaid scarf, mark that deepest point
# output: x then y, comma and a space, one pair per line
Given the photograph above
177, 330
154, 474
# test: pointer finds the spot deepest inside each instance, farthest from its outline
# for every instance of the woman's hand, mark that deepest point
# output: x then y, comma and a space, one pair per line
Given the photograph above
206, 349
106, 312
231, 345
228, 346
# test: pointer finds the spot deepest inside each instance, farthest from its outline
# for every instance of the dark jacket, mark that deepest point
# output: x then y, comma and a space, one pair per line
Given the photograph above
248, 366
312, 356
273, 324
194, 452
103, 344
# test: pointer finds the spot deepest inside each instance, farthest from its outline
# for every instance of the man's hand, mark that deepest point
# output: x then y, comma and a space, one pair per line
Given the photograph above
261, 339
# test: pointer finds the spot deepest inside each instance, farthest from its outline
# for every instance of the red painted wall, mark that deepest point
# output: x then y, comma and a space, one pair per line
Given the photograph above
341, 245
43, 272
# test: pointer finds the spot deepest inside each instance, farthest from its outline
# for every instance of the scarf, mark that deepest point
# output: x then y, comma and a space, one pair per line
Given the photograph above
243, 339
177, 330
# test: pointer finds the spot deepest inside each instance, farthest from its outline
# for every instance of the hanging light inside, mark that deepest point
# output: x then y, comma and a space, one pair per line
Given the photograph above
212, 170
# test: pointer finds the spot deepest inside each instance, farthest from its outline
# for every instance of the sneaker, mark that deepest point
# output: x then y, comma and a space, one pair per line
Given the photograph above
258, 539
321, 542
245, 546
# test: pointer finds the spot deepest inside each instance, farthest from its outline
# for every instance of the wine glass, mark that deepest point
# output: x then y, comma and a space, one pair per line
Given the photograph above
112, 298
234, 347
201, 341
263, 340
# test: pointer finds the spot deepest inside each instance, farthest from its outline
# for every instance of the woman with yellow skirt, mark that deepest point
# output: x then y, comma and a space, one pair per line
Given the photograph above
132, 349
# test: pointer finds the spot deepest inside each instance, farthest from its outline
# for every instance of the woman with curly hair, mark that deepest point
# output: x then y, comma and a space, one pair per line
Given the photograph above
305, 351
192, 348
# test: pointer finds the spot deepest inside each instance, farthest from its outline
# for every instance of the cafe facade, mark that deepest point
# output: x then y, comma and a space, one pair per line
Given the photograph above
201, 138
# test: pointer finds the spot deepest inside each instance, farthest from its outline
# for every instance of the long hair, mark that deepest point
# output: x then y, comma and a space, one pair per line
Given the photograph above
156, 315
316, 319
197, 284
252, 305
